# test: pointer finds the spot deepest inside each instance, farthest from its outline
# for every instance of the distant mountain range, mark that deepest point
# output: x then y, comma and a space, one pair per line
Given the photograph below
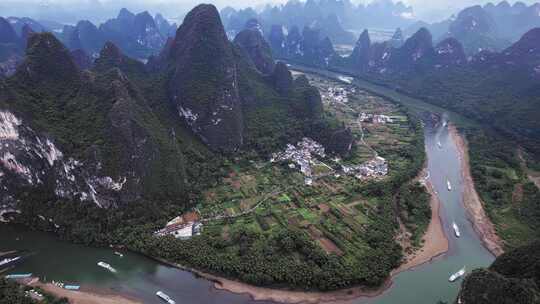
331, 18
498, 88
138, 35
491, 27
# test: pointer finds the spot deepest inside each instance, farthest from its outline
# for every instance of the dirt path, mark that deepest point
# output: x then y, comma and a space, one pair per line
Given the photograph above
474, 205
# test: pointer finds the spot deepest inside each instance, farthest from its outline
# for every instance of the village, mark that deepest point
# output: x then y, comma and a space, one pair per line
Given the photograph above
308, 153
293, 183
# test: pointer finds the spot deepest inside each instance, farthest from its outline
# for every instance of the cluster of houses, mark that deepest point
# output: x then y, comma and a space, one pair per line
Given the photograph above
376, 167
301, 156
375, 118
182, 227
336, 93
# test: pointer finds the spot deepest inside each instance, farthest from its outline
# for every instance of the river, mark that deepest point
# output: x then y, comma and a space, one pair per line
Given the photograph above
141, 277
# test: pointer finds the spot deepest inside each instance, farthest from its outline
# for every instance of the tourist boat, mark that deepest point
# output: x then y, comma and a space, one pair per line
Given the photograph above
456, 229
119, 254
7, 261
165, 297
106, 266
72, 287
449, 186
18, 276
457, 275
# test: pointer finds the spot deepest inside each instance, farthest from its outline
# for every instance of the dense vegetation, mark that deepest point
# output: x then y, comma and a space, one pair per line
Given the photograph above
13, 293
506, 100
413, 201
500, 175
504, 142
279, 252
512, 278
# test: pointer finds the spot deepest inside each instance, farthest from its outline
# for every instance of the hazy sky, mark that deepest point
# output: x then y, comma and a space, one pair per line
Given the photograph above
429, 10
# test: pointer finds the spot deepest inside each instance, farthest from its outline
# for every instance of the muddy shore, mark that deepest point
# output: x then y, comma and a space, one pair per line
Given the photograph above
84, 296
471, 200
435, 241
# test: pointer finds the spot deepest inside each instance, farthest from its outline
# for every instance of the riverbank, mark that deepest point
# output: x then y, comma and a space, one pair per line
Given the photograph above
471, 200
285, 296
84, 296
435, 241
435, 244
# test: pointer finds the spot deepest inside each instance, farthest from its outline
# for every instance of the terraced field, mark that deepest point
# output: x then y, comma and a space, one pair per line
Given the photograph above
337, 210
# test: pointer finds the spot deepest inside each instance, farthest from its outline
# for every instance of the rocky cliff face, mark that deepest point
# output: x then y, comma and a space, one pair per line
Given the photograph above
449, 53
417, 49
252, 42
276, 39
282, 79
11, 45
476, 30
362, 52
119, 132
526, 50
397, 39
204, 82
522, 56
29, 160
7, 33
165, 28
108, 148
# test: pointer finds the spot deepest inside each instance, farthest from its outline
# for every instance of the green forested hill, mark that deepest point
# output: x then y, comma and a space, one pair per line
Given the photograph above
514, 278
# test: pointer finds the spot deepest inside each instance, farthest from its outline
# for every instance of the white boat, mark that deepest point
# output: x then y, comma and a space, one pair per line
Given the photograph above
439, 144
457, 275
106, 266
456, 229
449, 186
119, 254
165, 297
7, 261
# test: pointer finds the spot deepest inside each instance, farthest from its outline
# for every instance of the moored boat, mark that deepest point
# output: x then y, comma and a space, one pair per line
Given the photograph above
448, 185
72, 287
457, 275
165, 297
8, 261
456, 229
18, 276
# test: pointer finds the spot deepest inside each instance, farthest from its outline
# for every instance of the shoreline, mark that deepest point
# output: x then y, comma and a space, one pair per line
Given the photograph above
435, 245
471, 200
435, 239
85, 295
